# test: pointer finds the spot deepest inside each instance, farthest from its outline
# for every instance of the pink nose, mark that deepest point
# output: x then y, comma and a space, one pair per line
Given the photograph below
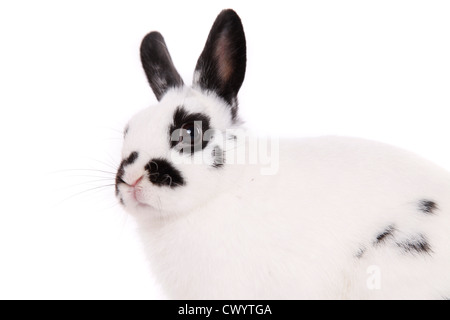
137, 182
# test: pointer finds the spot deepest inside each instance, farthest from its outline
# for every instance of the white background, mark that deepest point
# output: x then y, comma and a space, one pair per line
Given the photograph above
70, 78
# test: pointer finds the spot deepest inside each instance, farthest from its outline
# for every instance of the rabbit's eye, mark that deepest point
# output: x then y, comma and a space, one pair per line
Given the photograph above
191, 133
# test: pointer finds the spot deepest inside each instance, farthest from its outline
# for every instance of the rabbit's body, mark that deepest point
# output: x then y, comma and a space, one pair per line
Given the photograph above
344, 219
338, 217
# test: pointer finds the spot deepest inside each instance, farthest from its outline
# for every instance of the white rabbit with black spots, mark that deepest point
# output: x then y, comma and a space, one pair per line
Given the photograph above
339, 218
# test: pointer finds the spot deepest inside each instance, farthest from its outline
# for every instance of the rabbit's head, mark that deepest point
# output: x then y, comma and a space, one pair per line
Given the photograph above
173, 154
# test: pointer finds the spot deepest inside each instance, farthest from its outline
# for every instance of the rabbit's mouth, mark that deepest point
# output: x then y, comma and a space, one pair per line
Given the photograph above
137, 195
139, 198
136, 198
143, 206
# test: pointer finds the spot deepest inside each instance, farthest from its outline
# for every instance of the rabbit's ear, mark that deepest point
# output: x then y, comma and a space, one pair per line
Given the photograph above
221, 66
158, 65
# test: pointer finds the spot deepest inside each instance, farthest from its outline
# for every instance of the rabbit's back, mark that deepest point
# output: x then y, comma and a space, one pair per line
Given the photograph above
382, 214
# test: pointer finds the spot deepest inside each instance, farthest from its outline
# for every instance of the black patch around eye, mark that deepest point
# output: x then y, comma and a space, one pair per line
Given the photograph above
218, 157
121, 171
416, 245
163, 173
386, 234
180, 118
428, 206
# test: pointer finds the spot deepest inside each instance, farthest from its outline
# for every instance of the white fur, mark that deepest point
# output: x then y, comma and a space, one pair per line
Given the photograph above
233, 233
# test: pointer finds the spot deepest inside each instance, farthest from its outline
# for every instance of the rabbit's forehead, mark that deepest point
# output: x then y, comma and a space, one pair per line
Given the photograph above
149, 131
161, 116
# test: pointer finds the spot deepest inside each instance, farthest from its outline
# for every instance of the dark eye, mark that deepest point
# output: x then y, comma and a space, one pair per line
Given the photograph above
191, 133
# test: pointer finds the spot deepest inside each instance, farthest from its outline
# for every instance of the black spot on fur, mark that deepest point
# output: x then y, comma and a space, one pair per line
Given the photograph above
121, 171
361, 252
118, 181
222, 64
181, 117
416, 245
125, 132
162, 173
428, 206
132, 158
386, 234
158, 65
219, 157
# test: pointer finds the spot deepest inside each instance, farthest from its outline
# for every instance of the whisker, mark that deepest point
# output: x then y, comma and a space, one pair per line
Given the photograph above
89, 176
109, 165
177, 184
86, 191
156, 164
116, 204
113, 129
77, 170
86, 183
112, 159
168, 178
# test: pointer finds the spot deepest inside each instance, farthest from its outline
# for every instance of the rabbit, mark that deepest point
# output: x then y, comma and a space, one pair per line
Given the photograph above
336, 218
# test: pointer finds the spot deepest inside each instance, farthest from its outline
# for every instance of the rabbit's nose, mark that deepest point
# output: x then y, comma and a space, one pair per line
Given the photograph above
136, 182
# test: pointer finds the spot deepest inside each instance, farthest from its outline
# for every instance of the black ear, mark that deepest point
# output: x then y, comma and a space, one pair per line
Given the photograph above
158, 65
221, 66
